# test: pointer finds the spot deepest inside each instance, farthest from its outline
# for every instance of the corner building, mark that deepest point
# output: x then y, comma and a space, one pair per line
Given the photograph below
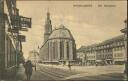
59, 45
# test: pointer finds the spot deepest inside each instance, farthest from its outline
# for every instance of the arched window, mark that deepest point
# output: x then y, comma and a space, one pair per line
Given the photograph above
61, 50
54, 50
67, 45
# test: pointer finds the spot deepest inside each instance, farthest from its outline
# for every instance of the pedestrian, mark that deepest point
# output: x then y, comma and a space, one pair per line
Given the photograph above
35, 66
96, 64
28, 69
69, 66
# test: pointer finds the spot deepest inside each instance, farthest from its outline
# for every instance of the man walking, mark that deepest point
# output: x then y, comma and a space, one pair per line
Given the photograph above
28, 69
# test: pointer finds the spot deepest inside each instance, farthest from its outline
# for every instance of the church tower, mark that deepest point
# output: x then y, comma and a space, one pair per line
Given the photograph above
48, 27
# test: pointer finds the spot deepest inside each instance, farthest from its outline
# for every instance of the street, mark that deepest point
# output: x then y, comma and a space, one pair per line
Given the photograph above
45, 73
53, 72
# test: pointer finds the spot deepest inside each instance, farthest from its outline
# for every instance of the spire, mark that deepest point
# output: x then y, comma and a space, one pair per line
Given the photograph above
48, 27
48, 20
48, 15
125, 21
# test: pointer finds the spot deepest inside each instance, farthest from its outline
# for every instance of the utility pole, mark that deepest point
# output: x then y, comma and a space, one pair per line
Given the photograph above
35, 60
35, 54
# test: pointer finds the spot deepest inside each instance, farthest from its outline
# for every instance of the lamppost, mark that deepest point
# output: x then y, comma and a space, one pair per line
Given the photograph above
35, 59
125, 42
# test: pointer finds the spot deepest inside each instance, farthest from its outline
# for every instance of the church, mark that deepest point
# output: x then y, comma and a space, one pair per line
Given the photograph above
59, 45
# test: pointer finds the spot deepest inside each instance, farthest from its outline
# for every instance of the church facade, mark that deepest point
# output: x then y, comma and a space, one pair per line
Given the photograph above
59, 45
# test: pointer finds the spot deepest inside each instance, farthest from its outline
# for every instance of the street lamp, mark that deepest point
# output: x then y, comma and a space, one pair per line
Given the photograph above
35, 59
125, 43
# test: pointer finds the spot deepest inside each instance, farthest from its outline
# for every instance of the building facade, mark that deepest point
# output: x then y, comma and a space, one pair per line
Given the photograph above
119, 50
125, 32
111, 51
59, 45
90, 55
81, 58
10, 40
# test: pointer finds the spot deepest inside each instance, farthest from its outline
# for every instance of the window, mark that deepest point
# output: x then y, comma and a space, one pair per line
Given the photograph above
115, 55
67, 50
61, 50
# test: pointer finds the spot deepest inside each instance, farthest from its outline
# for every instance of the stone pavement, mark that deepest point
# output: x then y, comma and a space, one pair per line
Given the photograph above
109, 76
109, 72
21, 73
112, 72
94, 69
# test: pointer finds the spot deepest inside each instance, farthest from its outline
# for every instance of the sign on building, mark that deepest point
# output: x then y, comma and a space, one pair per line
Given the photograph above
22, 38
25, 22
21, 22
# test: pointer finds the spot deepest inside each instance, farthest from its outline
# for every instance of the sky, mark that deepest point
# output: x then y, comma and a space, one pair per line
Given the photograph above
88, 24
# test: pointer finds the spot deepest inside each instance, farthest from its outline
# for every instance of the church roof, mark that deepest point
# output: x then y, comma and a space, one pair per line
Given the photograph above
61, 32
